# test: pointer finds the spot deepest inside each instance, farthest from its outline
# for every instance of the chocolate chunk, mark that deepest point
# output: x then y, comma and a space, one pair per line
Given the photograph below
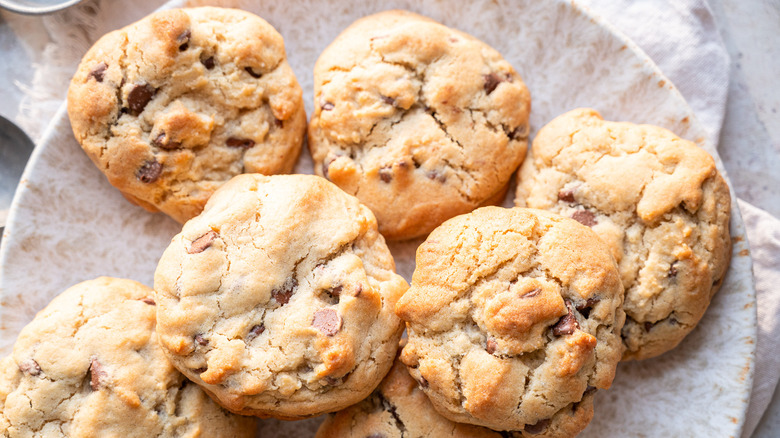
585, 308
585, 217
491, 346
139, 97
184, 40
245, 143
327, 321
386, 174
200, 340
282, 295
327, 106
388, 100
423, 382
437, 175
491, 82
98, 375
566, 195
519, 132
149, 301
567, 324
31, 367
209, 62
530, 294
202, 243
537, 428
649, 325
336, 291
255, 331
149, 172
278, 123
98, 72
162, 141
672, 270
253, 73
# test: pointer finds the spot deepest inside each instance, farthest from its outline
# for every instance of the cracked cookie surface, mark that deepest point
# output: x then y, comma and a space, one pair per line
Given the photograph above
419, 121
659, 203
89, 365
278, 299
514, 319
400, 409
171, 107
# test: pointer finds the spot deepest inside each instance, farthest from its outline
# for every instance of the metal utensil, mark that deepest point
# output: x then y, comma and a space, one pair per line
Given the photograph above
15, 149
36, 7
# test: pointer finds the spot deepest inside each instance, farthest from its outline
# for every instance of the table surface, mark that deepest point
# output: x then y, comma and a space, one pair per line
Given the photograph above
750, 138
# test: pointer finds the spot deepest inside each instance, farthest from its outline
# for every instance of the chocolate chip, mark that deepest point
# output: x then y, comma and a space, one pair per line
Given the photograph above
537, 428
245, 143
278, 123
437, 175
327, 321
31, 367
98, 375
336, 291
649, 325
149, 172
202, 243
491, 82
327, 106
184, 40
586, 307
672, 270
209, 62
567, 324
139, 97
162, 141
423, 382
99, 72
386, 174
566, 195
530, 294
388, 100
282, 295
491, 346
509, 77
519, 132
149, 301
200, 340
253, 73
255, 331
585, 217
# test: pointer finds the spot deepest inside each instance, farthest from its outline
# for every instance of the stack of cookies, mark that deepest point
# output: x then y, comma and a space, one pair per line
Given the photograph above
279, 296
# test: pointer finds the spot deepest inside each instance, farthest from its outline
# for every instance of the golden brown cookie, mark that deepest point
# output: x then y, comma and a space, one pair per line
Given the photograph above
278, 299
171, 107
419, 121
658, 202
514, 319
89, 365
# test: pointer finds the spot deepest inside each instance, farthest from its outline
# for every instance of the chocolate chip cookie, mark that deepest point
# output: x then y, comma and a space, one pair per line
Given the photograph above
658, 202
400, 409
419, 121
278, 299
89, 365
514, 319
171, 107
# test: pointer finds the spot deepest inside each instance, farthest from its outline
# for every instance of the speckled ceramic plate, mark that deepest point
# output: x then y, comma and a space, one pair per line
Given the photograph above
68, 225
